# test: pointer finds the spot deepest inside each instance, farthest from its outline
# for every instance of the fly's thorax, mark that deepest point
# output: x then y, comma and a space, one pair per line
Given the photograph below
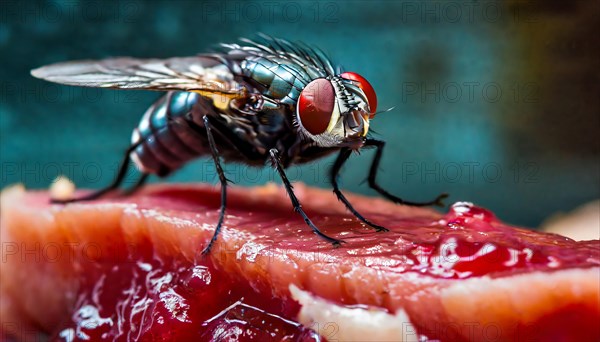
279, 79
334, 112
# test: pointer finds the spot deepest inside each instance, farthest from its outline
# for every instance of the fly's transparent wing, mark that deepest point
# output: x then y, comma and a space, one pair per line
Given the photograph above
204, 74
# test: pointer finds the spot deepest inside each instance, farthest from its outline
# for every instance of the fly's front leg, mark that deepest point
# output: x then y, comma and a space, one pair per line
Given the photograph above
335, 170
373, 183
274, 154
215, 156
111, 187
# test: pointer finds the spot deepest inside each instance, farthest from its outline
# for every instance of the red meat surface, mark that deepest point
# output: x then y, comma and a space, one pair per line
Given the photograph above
130, 268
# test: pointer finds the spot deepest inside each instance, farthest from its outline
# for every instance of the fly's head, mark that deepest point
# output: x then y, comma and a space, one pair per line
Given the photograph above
335, 111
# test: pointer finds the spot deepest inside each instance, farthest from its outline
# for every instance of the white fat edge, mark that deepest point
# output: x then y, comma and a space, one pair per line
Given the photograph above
579, 224
342, 323
62, 188
11, 194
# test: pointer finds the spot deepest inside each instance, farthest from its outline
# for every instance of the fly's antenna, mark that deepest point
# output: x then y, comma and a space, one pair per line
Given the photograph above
385, 110
371, 130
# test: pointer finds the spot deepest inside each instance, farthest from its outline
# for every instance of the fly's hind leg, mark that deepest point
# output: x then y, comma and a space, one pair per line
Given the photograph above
222, 179
274, 154
335, 170
373, 183
111, 187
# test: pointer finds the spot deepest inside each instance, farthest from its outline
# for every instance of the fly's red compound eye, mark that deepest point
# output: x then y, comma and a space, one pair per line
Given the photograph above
315, 106
366, 88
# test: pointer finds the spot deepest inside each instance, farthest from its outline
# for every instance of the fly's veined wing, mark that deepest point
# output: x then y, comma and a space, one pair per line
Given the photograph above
204, 74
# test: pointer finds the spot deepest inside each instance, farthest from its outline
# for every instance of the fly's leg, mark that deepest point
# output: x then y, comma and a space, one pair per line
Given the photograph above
295, 203
373, 184
335, 170
111, 187
222, 179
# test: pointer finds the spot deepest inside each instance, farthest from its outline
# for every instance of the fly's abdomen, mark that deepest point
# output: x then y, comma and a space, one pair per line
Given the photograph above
168, 134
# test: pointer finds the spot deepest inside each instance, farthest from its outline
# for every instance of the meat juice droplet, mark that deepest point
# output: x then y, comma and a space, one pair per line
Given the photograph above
462, 212
475, 243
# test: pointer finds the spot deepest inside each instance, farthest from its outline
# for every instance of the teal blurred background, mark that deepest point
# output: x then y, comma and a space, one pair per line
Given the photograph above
495, 102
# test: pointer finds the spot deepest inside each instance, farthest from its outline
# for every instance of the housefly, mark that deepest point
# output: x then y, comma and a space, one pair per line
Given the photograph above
253, 102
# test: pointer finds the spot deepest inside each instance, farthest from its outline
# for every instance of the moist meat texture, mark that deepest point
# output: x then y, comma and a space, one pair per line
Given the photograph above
130, 268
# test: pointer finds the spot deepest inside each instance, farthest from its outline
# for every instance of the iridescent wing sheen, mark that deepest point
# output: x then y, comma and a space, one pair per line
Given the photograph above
205, 74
